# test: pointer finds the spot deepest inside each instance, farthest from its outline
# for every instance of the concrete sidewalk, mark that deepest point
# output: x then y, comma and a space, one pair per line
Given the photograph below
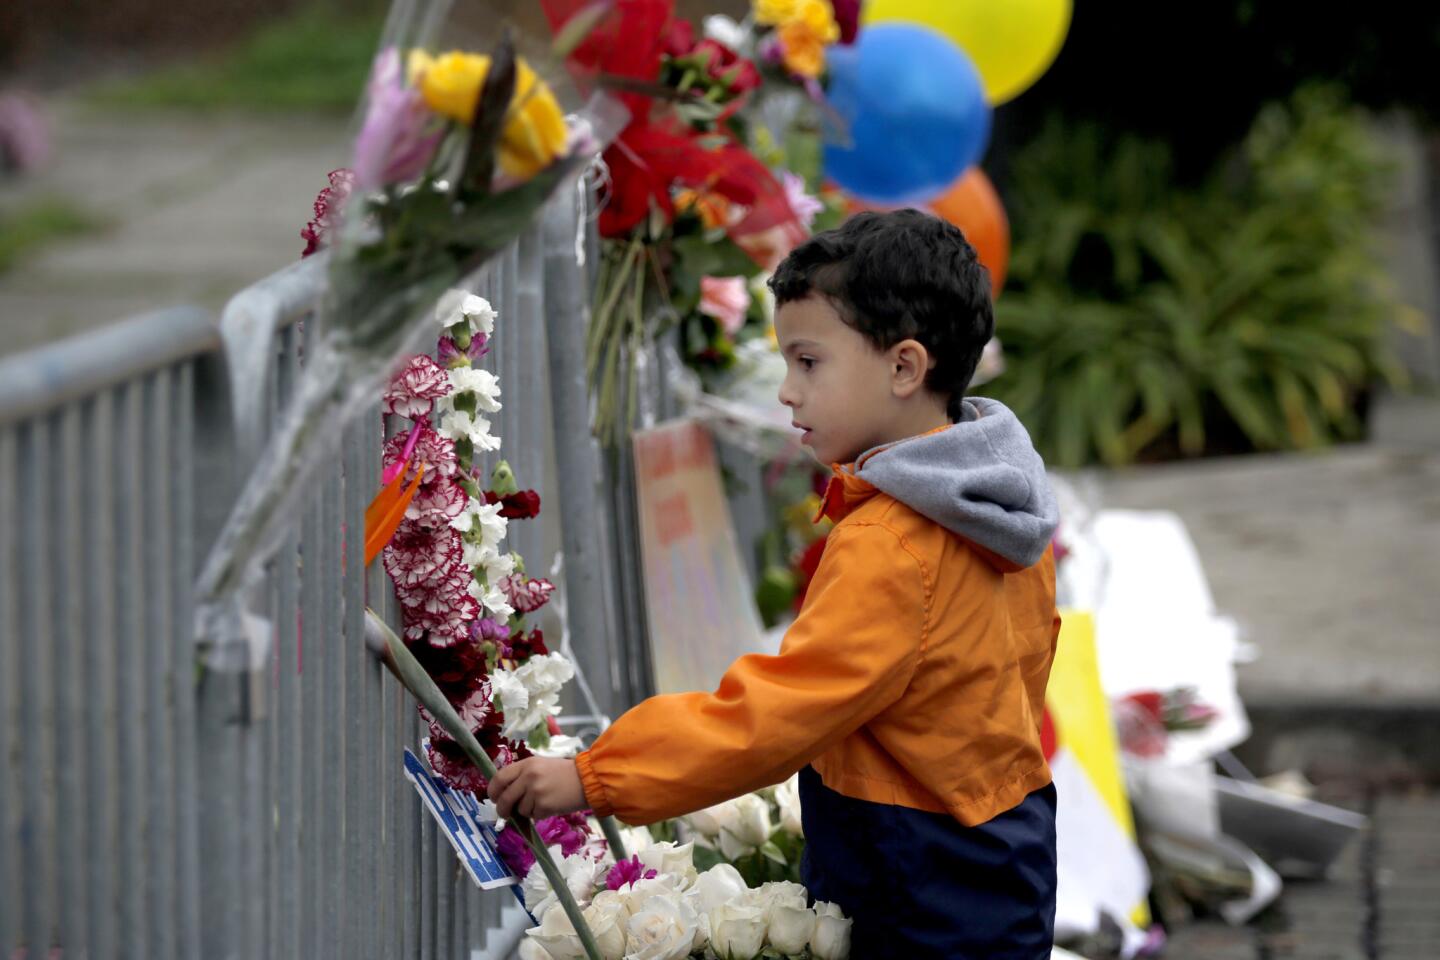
1329, 561
198, 207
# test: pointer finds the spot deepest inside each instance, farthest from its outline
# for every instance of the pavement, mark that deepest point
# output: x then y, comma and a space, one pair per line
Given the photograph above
197, 207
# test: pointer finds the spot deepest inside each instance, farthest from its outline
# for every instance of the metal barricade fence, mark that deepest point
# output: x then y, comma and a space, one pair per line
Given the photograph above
150, 809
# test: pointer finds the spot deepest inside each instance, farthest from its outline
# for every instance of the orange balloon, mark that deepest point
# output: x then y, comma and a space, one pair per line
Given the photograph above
972, 205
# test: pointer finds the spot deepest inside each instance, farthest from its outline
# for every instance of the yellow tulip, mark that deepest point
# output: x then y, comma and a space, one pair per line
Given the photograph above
535, 131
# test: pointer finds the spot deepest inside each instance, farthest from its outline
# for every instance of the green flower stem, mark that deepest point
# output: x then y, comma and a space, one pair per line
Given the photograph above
403, 665
611, 828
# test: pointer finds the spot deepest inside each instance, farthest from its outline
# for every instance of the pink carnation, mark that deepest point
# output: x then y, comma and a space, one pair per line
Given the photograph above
570, 832
452, 766
479, 347
423, 557
627, 872
444, 628
414, 390
475, 712
329, 205
436, 504
431, 449
524, 595
515, 851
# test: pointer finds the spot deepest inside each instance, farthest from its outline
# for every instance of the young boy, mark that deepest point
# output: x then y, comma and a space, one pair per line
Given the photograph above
909, 691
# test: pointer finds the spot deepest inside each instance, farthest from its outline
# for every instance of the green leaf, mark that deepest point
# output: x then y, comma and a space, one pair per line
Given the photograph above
772, 853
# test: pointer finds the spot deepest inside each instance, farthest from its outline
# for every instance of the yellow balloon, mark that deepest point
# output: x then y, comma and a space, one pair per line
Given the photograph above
1012, 42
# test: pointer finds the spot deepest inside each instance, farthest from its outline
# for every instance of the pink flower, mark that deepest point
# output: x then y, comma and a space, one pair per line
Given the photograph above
424, 558
474, 709
431, 449
524, 595
515, 851
414, 390
479, 347
726, 299
571, 836
436, 504
398, 135
329, 205
626, 872
804, 206
451, 765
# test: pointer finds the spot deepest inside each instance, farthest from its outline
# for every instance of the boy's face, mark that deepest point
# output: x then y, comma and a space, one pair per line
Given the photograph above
837, 384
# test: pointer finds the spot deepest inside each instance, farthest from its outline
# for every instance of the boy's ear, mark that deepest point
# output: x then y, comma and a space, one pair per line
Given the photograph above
910, 363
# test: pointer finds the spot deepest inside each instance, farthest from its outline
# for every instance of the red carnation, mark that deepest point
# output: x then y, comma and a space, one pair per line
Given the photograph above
523, 505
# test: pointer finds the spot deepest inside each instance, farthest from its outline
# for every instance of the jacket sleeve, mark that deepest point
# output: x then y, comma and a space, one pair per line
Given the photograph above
849, 655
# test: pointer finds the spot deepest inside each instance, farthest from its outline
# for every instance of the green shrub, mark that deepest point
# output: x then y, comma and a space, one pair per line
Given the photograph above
315, 59
1140, 318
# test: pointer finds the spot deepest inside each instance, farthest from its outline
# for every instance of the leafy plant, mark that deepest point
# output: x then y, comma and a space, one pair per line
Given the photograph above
1140, 318
315, 59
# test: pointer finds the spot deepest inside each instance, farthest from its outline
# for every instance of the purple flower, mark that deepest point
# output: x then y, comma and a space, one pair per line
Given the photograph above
398, 136
488, 629
565, 832
515, 851
479, 346
627, 872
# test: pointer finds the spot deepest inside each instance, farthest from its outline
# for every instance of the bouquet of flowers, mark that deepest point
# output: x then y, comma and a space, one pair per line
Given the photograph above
701, 200
657, 905
457, 153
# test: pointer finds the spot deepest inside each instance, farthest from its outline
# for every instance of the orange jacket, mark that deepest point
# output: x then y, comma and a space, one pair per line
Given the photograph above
914, 675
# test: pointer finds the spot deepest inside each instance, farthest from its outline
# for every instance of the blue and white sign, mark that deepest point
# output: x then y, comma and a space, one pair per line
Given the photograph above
460, 819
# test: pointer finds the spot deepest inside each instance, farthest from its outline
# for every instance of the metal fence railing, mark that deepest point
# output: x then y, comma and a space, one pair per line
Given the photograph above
151, 809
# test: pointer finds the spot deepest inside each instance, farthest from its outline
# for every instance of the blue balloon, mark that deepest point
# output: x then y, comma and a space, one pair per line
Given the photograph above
911, 114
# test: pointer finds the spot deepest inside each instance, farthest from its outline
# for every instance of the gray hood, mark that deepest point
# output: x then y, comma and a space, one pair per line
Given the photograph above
980, 478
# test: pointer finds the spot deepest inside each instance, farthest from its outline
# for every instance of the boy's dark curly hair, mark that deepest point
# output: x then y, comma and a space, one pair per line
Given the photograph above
898, 276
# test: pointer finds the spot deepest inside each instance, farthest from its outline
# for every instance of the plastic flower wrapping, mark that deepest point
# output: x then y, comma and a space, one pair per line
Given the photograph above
456, 153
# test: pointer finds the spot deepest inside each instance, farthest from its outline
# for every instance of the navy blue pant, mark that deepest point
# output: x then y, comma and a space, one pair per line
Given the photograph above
921, 886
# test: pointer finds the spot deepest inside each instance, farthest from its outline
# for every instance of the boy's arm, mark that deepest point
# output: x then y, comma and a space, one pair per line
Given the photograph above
849, 656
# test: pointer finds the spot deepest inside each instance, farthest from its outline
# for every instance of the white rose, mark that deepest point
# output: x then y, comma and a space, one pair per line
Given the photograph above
750, 830
831, 939
581, 874
771, 896
787, 797
722, 883
712, 820
791, 927
635, 839
737, 931
663, 928
638, 893
607, 920
530, 948
667, 858
557, 937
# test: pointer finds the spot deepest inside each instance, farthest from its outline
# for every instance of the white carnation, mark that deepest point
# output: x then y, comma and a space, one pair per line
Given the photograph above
482, 383
480, 314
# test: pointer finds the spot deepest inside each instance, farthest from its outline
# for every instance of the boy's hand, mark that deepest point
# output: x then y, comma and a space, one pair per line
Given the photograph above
538, 787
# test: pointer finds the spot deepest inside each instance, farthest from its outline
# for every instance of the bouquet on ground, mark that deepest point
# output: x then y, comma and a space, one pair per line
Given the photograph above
456, 155
656, 904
